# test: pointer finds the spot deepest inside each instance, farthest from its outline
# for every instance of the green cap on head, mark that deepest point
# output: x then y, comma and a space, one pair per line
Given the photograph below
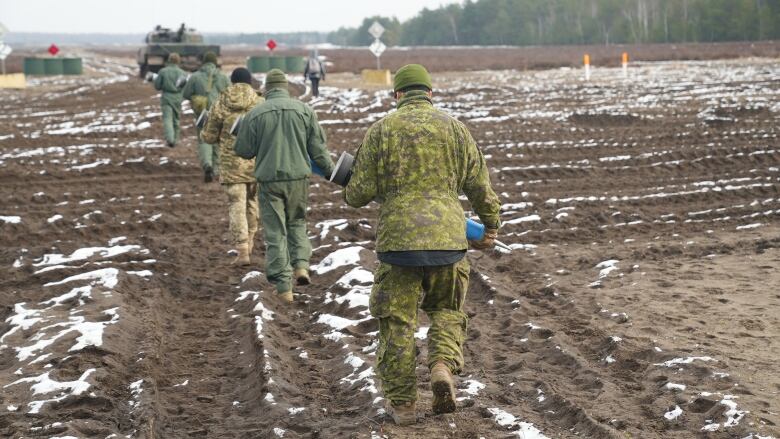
174, 58
210, 57
412, 75
275, 79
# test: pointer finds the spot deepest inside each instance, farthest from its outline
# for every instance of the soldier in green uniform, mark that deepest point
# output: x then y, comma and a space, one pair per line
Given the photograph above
202, 90
283, 135
415, 162
170, 98
236, 173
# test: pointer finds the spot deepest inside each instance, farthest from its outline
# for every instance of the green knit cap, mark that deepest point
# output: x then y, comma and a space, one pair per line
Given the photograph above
275, 79
410, 75
210, 57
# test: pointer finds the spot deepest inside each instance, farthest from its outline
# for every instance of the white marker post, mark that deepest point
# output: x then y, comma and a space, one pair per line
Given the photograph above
377, 47
586, 60
4, 50
625, 65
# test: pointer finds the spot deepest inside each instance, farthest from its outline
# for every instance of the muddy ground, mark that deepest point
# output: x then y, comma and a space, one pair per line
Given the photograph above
641, 298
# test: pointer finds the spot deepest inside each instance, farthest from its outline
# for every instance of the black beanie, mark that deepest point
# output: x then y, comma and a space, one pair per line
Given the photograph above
241, 75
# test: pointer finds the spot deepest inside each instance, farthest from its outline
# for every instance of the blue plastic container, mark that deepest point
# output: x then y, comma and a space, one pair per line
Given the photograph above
474, 230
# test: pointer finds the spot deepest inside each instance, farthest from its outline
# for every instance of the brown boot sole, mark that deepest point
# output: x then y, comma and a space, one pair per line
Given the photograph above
443, 397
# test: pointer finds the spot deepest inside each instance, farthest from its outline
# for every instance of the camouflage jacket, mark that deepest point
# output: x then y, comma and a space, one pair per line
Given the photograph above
208, 81
233, 102
166, 83
415, 162
283, 135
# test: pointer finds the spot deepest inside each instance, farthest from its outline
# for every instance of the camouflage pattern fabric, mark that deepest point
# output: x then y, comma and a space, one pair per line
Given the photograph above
170, 100
287, 246
415, 162
233, 102
441, 292
243, 212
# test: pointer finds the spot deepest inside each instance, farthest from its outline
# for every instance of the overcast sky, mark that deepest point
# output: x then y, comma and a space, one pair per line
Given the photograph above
139, 16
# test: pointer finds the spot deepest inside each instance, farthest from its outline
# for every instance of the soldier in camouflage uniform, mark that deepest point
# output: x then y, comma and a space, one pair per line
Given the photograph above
202, 90
236, 173
170, 98
284, 137
415, 162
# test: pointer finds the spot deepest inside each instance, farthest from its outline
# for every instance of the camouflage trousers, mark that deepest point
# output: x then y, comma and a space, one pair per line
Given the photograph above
283, 209
170, 120
397, 293
242, 211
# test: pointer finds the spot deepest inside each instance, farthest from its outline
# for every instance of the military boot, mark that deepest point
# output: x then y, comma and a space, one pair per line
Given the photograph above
443, 386
287, 296
243, 255
302, 276
402, 413
208, 175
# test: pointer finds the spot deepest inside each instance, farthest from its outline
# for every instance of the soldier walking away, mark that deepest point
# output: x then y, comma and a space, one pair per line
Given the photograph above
415, 162
167, 82
202, 90
236, 173
314, 71
284, 137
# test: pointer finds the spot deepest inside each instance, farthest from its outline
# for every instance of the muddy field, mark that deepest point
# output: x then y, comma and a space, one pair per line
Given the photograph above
641, 298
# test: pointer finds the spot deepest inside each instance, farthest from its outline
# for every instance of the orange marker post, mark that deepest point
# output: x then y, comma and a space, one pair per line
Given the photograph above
586, 61
625, 64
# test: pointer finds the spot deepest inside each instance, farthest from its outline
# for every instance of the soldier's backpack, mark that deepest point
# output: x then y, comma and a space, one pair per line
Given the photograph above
199, 102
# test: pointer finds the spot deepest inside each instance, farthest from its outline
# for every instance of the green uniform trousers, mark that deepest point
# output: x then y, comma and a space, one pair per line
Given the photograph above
397, 293
208, 155
170, 121
283, 213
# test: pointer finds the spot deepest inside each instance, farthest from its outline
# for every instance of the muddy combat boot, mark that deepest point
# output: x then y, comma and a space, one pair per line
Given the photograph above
287, 296
302, 276
243, 255
443, 386
208, 175
403, 413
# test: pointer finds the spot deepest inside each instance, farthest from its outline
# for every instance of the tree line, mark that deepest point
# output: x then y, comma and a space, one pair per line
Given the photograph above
541, 22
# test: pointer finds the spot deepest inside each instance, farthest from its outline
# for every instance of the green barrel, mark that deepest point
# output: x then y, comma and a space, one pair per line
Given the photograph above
258, 64
34, 66
295, 64
72, 66
277, 62
52, 66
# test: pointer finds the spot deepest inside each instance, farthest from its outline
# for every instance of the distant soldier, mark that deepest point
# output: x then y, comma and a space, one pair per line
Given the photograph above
236, 173
283, 135
415, 162
167, 81
314, 71
202, 90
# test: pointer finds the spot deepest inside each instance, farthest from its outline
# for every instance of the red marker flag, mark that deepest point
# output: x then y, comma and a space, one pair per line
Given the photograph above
53, 49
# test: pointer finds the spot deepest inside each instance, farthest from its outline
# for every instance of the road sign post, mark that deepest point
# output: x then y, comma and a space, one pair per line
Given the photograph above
377, 47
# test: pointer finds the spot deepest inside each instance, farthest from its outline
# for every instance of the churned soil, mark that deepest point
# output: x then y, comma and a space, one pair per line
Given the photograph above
641, 297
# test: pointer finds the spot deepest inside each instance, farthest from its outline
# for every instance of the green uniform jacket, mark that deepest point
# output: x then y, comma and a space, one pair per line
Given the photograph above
283, 134
415, 162
233, 102
198, 84
166, 83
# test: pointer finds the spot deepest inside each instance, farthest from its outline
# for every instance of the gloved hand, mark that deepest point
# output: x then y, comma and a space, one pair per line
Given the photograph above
487, 242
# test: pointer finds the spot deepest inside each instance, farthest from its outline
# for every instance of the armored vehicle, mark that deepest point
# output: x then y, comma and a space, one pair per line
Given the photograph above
162, 41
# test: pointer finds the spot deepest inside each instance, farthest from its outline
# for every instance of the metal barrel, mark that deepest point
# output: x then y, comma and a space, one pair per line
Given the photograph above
72, 66
277, 62
34, 66
52, 66
295, 64
258, 64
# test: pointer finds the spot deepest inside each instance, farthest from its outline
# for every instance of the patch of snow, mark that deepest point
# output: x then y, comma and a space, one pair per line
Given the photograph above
340, 258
